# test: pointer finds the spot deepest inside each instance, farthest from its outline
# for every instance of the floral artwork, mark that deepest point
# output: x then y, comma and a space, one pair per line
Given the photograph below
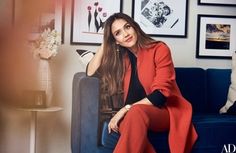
88, 19
98, 16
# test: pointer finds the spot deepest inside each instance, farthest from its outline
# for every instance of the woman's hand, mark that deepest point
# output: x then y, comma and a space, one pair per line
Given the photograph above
113, 124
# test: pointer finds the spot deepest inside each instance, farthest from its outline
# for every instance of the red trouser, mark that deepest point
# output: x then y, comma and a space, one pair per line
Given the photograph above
133, 128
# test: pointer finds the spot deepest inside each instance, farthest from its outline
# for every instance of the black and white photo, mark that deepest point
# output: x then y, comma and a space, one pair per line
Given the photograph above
161, 17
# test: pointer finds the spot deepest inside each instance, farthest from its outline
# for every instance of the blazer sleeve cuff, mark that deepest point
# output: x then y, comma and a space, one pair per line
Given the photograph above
157, 98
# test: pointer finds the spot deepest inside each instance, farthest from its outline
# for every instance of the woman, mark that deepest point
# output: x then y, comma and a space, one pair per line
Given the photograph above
132, 63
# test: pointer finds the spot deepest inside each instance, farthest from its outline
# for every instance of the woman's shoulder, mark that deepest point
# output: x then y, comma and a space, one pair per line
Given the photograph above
158, 46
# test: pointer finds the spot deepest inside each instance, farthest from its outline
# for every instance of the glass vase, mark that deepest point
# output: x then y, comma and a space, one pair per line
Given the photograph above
44, 82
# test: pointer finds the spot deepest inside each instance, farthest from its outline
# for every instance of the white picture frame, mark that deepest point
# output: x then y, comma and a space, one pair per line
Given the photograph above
88, 18
216, 36
162, 18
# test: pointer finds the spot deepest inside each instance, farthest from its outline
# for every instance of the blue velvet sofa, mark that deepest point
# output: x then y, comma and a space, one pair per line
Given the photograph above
206, 89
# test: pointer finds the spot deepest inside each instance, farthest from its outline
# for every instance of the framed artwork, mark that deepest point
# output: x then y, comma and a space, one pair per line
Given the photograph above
88, 18
60, 18
217, 2
216, 36
163, 18
52, 18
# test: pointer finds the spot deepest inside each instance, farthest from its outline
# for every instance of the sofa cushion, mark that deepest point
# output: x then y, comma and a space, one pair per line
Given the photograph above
85, 55
192, 84
218, 81
208, 127
214, 131
232, 109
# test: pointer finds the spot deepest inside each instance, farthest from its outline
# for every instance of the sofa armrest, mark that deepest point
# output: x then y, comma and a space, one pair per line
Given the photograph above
85, 110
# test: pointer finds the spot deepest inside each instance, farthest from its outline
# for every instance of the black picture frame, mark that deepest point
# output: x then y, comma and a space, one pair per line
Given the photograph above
157, 23
217, 2
86, 29
216, 36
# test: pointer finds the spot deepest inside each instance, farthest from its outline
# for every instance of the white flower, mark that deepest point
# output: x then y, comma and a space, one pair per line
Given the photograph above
47, 44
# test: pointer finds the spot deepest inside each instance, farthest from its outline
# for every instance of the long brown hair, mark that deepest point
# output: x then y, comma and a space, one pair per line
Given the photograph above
112, 67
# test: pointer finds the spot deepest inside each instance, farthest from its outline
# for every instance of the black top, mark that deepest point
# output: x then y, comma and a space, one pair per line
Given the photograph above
136, 91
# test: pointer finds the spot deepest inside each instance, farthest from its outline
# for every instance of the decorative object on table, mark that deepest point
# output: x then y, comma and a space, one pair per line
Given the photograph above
44, 48
231, 99
216, 36
94, 15
163, 18
34, 98
85, 55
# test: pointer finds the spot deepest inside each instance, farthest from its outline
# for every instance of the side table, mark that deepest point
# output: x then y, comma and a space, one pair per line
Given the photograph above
33, 123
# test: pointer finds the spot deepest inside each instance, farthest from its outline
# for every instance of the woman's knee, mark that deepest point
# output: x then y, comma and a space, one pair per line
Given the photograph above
136, 109
137, 112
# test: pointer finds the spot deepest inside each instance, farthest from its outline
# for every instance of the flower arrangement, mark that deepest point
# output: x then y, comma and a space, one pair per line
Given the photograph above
46, 46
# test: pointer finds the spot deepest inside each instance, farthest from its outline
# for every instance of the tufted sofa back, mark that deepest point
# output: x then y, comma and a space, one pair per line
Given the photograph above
205, 89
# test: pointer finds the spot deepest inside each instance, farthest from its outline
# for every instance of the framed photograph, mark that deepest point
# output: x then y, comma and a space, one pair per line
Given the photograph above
163, 18
88, 18
216, 36
217, 2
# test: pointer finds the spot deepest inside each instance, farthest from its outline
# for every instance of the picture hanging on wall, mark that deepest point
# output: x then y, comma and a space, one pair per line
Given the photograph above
217, 2
51, 18
88, 18
216, 36
164, 18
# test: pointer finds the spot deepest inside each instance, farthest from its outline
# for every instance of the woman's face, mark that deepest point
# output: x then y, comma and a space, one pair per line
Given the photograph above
124, 33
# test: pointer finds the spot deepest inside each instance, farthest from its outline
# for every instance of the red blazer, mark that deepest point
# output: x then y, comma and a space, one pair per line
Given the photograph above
156, 71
